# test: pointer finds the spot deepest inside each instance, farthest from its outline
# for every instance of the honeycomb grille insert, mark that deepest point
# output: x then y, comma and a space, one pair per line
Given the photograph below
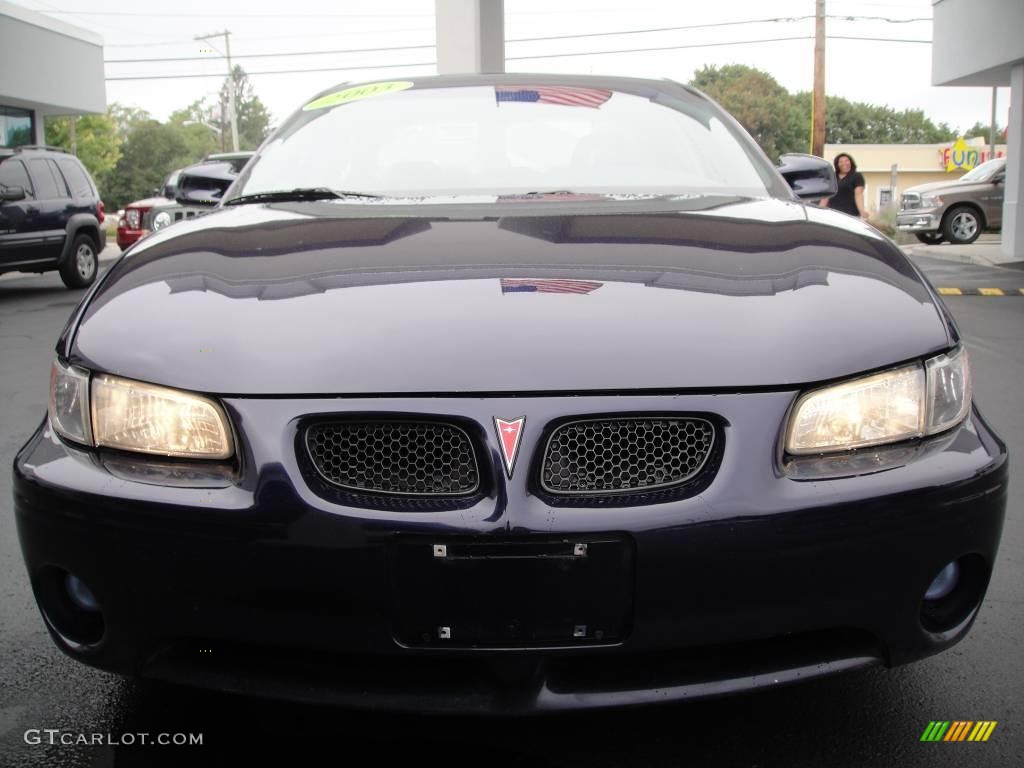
395, 457
624, 455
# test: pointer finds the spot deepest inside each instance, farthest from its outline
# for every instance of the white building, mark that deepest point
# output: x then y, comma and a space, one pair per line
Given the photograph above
47, 67
980, 42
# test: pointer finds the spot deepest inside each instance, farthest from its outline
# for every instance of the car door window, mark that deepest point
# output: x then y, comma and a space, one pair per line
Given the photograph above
63, 189
43, 181
13, 174
76, 179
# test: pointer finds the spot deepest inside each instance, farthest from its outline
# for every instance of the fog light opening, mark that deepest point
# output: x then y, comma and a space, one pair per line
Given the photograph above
70, 607
944, 583
954, 593
80, 594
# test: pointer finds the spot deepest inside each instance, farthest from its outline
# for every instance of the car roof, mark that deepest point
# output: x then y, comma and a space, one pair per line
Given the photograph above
610, 82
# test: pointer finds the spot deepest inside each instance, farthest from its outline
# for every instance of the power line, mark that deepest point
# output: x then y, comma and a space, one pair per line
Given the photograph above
780, 19
521, 58
272, 55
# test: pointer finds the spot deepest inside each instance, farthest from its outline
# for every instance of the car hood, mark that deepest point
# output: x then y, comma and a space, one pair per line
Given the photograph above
148, 202
947, 186
321, 298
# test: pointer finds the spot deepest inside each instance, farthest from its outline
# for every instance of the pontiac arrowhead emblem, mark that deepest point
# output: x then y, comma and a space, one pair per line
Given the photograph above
509, 432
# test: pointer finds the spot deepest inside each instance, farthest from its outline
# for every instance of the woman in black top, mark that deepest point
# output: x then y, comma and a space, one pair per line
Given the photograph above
850, 197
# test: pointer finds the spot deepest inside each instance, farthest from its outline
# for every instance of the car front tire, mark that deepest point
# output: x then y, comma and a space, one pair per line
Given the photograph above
930, 238
962, 225
79, 269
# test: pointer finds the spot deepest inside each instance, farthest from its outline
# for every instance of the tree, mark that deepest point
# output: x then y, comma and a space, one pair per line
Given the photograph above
252, 117
199, 129
856, 122
151, 151
97, 142
982, 130
762, 106
126, 118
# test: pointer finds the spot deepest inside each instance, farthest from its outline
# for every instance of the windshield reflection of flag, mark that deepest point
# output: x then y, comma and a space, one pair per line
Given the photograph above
561, 95
530, 285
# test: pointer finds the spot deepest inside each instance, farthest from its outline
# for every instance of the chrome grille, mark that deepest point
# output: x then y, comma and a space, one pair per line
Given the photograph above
909, 201
407, 458
622, 455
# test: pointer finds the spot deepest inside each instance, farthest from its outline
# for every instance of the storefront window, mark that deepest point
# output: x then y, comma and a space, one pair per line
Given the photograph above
15, 127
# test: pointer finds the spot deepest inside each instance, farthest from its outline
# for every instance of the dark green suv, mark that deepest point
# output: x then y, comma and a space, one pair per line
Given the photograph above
51, 215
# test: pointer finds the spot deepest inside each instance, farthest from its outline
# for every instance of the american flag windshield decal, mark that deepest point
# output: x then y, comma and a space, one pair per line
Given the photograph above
534, 285
560, 95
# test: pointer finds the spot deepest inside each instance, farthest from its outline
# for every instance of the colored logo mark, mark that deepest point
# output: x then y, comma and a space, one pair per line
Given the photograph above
958, 730
509, 432
357, 93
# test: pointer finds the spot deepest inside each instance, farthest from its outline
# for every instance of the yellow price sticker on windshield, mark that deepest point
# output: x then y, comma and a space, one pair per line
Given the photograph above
357, 93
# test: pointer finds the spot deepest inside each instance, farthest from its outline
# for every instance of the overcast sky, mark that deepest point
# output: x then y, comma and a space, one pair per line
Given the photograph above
893, 73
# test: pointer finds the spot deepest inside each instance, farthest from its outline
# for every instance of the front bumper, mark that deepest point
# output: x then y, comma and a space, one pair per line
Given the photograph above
256, 584
127, 236
918, 221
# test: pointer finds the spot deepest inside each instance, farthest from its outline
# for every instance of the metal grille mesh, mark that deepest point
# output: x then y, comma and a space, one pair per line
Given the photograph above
400, 457
624, 454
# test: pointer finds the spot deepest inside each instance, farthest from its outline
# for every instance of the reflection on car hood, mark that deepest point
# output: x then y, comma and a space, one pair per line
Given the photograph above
321, 298
953, 185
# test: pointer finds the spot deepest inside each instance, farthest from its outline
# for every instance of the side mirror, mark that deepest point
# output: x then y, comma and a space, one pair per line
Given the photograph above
810, 177
999, 178
204, 184
10, 194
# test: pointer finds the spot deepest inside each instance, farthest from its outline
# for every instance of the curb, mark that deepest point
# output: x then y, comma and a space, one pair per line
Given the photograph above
945, 291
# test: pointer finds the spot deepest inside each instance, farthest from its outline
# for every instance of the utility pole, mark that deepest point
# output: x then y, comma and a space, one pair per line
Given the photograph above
233, 113
818, 102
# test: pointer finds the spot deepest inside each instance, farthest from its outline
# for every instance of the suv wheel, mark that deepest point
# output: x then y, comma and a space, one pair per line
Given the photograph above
79, 270
962, 225
930, 238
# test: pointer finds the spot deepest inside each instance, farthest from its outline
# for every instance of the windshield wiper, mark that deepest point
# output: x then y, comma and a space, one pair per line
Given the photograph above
299, 193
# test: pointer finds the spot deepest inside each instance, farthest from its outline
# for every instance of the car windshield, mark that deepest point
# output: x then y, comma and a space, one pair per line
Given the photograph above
498, 139
983, 171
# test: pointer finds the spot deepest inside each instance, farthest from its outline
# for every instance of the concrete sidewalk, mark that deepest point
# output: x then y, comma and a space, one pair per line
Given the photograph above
986, 251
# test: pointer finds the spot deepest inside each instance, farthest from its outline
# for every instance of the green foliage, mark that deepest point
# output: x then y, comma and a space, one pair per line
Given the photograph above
856, 122
198, 129
97, 143
129, 154
781, 121
253, 118
151, 151
982, 130
763, 107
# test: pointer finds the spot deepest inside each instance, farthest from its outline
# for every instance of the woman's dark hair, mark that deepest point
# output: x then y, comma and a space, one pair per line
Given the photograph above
853, 164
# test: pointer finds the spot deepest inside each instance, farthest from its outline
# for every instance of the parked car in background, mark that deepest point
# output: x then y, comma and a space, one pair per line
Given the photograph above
153, 213
129, 223
956, 210
50, 215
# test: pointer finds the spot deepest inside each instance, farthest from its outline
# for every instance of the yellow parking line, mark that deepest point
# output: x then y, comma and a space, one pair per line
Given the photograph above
991, 291
951, 291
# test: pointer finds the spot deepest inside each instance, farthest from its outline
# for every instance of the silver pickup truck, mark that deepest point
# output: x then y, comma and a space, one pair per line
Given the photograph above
957, 210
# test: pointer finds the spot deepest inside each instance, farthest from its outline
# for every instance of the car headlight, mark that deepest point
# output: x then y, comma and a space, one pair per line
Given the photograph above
69, 402
130, 415
161, 220
900, 404
931, 201
134, 218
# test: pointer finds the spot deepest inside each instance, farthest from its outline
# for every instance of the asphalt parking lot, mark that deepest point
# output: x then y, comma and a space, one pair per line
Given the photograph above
859, 719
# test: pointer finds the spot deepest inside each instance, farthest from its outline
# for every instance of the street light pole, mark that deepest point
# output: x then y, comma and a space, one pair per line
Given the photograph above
231, 83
